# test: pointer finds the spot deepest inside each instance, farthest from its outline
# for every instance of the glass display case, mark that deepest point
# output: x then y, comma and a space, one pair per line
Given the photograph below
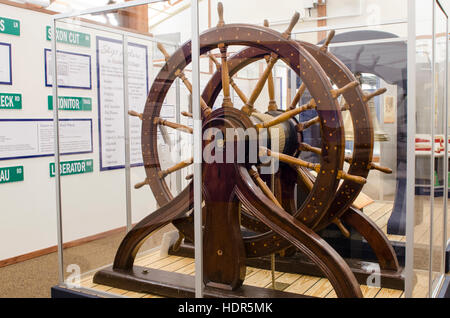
293, 156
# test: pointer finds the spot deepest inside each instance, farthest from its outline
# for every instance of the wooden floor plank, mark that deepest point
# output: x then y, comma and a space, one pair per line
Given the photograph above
389, 293
370, 209
382, 211
102, 288
164, 261
369, 292
188, 269
177, 265
320, 289
301, 285
261, 278
132, 294
331, 294
288, 278
117, 291
147, 260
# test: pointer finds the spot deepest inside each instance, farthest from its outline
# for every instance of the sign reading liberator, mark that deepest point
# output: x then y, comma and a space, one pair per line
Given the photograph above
71, 103
11, 174
9, 26
73, 167
10, 101
69, 37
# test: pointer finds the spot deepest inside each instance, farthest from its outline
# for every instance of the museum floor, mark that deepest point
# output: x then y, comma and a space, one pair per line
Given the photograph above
35, 277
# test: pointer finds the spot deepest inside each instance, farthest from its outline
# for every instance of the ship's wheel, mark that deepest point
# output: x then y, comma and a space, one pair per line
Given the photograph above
247, 190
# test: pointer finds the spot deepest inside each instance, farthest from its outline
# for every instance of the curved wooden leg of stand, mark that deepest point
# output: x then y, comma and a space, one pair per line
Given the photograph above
302, 237
130, 245
375, 237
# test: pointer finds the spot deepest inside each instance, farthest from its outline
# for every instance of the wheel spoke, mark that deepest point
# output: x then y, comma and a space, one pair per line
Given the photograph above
180, 74
286, 115
187, 114
305, 176
249, 106
298, 95
270, 83
335, 93
304, 125
265, 189
225, 77
289, 159
328, 40
135, 114
163, 122
178, 166
368, 97
232, 83
371, 165
306, 147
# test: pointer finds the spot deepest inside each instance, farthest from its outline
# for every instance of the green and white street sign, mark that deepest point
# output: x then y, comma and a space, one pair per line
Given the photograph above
11, 174
9, 26
10, 101
73, 167
71, 103
69, 37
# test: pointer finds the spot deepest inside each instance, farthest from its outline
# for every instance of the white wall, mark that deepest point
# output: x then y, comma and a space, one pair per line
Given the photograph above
93, 202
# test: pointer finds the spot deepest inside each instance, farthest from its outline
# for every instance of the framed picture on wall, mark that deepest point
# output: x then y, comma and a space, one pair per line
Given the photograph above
5, 64
389, 109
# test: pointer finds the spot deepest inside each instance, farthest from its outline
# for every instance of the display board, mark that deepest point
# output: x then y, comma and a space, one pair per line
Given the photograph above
28, 138
74, 70
110, 83
5, 64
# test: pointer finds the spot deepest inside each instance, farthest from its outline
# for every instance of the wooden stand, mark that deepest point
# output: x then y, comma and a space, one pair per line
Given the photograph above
167, 284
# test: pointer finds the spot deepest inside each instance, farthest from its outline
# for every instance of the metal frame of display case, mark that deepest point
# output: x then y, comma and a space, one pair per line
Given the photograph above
410, 166
55, 19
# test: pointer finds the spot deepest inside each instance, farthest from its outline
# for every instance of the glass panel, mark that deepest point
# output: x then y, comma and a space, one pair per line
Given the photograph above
424, 178
440, 87
119, 182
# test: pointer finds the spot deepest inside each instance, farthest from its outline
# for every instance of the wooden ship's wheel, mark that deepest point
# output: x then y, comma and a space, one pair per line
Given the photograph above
237, 194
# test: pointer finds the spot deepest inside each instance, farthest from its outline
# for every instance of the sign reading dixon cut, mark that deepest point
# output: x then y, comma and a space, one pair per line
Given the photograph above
69, 37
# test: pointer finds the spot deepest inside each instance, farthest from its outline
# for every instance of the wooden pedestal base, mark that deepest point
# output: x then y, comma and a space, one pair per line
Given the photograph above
300, 264
168, 284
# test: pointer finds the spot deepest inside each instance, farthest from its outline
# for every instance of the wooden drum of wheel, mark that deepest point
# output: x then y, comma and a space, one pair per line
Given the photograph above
235, 192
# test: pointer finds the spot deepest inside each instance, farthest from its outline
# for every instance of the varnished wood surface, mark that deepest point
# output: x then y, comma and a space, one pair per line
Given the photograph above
294, 283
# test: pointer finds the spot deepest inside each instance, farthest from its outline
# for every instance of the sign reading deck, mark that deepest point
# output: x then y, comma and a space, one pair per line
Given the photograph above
11, 174
73, 167
9, 26
71, 103
69, 37
10, 101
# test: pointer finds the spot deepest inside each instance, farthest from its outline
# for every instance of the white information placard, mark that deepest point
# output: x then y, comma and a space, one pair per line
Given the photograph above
74, 70
28, 138
111, 100
5, 64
